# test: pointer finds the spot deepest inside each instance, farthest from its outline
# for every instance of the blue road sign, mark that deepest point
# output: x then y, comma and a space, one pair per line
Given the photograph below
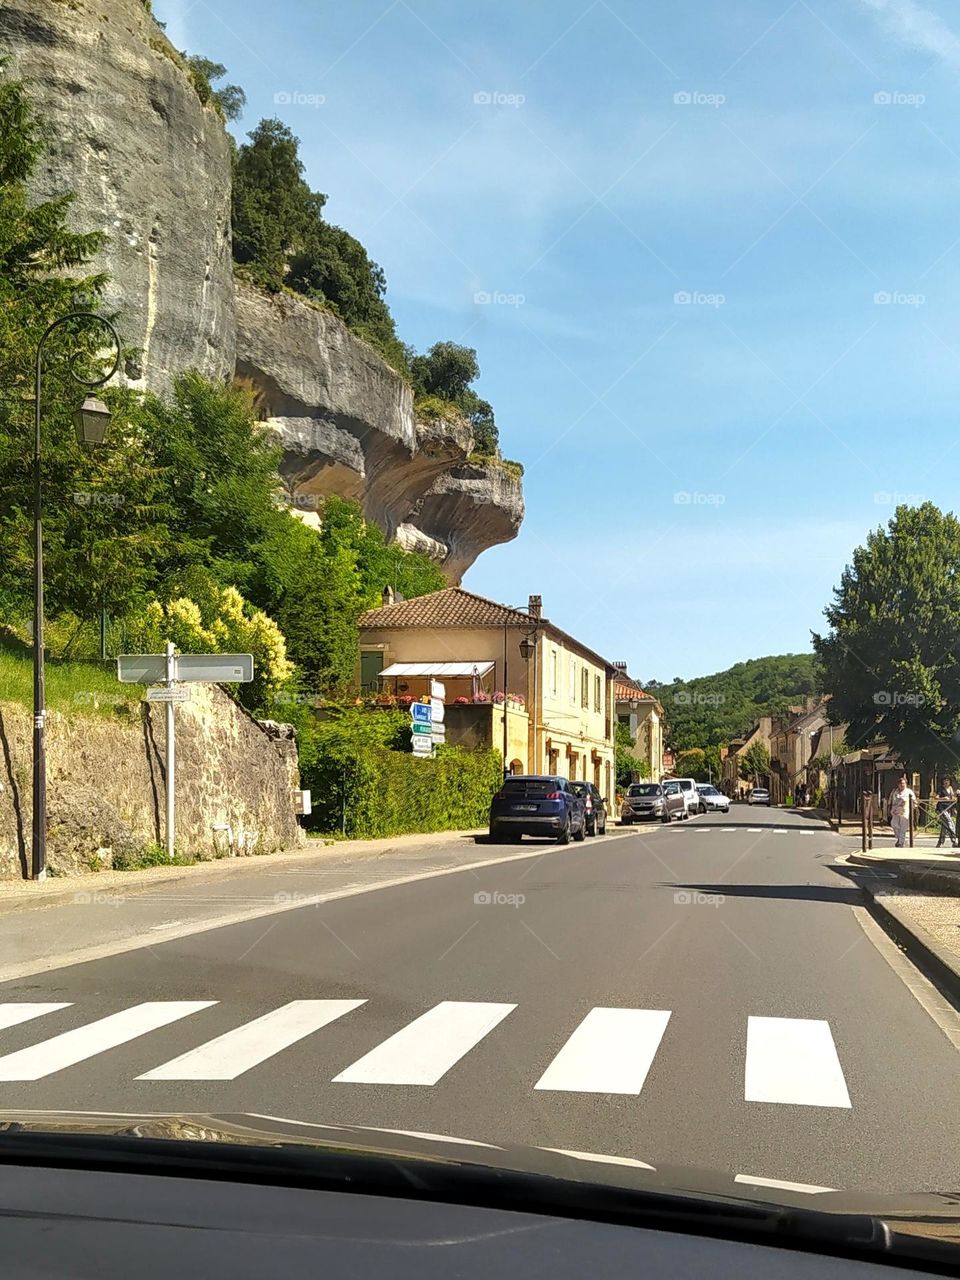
422, 712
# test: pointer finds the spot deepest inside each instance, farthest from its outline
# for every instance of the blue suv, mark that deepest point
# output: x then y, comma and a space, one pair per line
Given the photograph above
537, 805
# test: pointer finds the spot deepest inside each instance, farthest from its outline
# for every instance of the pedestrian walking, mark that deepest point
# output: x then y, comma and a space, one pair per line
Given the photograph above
901, 799
946, 807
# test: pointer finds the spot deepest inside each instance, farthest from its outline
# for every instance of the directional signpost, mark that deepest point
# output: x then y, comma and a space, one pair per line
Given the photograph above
438, 693
421, 728
176, 670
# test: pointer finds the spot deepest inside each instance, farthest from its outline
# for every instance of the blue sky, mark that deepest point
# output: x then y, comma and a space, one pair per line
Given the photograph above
697, 472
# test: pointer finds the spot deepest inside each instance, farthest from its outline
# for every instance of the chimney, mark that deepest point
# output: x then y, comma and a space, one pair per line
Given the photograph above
535, 606
621, 667
388, 595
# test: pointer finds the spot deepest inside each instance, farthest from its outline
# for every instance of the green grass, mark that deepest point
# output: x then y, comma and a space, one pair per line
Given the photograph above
80, 688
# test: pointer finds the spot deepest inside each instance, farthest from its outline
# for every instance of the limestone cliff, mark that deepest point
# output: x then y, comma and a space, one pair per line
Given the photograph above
150, 165
347, 425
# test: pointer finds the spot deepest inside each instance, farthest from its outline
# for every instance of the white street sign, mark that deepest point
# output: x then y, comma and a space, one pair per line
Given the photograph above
438, 689
173, 693
423, 745
216, 668
437, 705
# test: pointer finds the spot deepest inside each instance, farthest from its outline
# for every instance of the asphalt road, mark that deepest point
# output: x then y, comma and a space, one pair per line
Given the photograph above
701, 994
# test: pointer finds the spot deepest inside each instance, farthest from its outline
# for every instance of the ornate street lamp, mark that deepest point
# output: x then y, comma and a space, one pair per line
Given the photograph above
91, 424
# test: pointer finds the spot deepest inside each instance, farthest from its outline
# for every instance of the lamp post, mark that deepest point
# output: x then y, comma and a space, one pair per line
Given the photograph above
91, 422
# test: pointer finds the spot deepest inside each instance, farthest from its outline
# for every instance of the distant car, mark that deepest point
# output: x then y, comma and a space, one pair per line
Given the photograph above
712, 800
595, 805
537, 805
759, 795
646, 801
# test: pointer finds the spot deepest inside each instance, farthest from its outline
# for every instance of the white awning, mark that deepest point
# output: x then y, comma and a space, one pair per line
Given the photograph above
437, 669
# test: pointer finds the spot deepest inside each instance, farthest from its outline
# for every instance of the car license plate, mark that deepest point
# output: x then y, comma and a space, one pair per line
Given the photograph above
525, 808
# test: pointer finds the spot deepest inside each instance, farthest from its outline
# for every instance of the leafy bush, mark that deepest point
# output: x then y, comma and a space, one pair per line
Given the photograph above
364, 786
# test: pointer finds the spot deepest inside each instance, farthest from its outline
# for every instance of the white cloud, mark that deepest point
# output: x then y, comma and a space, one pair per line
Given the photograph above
917, 27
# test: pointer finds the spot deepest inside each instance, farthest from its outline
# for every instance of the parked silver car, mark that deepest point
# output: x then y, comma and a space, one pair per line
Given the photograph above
712, 800
646, 801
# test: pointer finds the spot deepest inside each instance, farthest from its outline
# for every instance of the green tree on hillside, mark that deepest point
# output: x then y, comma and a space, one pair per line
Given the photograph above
892, 658
229, 99
445, 373
281, 240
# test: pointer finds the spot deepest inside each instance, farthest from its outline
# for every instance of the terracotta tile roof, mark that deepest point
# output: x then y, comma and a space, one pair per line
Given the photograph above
451, 607
455, 607
627, 689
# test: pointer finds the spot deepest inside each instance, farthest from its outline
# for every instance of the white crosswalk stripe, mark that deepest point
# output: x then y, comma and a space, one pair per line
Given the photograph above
424, 1051
790, 1061
71, 1047
610, 1052
230, 1055
793, 1060
11, 1015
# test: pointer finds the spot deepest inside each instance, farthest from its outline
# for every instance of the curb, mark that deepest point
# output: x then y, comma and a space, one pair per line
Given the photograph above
933, 960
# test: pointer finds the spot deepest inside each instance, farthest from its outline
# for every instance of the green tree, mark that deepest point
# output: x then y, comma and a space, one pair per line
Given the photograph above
891, 658
229, 99
219, 468
626, 764
755, 763
281, 240
692, 763
445, 373
102, 511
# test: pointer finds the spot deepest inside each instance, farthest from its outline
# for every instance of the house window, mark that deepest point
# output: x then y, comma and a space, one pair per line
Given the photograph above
553, 672
573, 682
596, 693
584, 687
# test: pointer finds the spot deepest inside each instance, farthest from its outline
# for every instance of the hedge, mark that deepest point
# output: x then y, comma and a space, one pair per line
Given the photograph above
369, 790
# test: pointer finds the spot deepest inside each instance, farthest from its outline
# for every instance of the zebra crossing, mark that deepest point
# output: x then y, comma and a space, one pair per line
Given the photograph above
611, 1051
677, 827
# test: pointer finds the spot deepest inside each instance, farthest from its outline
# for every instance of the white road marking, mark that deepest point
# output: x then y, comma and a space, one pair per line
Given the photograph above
11, 1015
71, 1047
782, 1186
611, 1051
793, 1060
439, 1137
237, 1051
780, 831
599, 1159
728, 828
754, 831
424, 1051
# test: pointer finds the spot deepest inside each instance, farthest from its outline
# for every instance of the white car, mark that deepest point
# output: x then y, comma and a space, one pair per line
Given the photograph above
759, 795
712, 800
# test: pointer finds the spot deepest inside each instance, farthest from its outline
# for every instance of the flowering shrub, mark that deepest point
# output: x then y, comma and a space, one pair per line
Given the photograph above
518, 698
386, 700
405, 700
